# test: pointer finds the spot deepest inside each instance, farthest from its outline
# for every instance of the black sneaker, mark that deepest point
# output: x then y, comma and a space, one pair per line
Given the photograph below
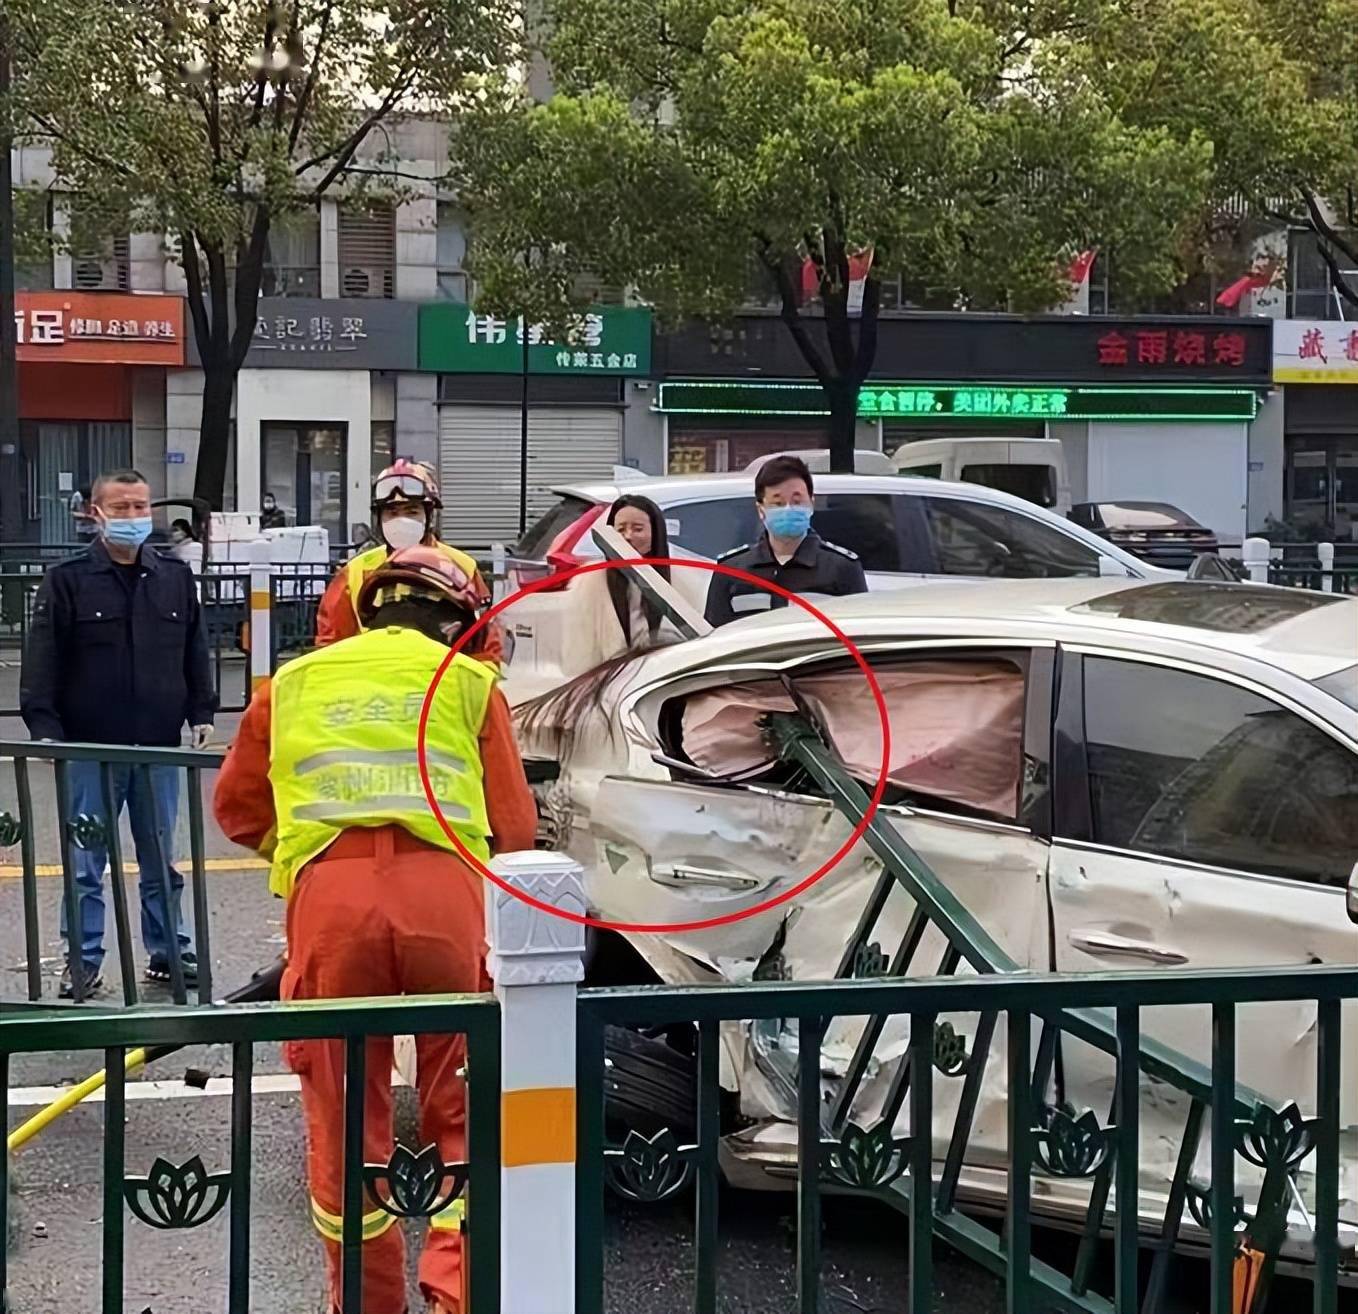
158, 967
93, 982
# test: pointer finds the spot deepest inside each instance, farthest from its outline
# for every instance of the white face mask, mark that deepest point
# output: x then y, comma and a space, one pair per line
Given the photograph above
403, 532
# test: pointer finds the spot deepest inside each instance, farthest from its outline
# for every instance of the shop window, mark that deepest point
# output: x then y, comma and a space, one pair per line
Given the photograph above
292, 257
367, 252
453, 282
383, 444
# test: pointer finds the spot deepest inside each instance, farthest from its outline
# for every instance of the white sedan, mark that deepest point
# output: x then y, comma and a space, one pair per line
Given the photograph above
1105, 774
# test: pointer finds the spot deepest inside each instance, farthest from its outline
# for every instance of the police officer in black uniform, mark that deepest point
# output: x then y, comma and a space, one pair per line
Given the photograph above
788, 553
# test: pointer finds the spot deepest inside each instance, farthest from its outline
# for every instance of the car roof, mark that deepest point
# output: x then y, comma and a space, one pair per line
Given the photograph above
672, 489
1309, 634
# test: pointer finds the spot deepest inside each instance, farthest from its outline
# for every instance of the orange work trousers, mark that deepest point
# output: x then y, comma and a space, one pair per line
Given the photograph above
381, 914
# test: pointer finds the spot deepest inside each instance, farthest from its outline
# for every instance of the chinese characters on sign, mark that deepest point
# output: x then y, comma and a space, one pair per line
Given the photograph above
982, 402
1181, 347
309, 333
38, 328
1315, 351
608, 340
130, 328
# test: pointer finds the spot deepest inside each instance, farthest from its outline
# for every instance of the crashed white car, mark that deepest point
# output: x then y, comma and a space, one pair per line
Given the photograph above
1105, 773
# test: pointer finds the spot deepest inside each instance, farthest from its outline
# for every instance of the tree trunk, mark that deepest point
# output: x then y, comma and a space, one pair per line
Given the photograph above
11, 470
214, 431
842, 395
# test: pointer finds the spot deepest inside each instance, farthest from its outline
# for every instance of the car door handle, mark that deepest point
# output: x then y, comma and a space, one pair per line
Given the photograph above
1106, 944
681, 877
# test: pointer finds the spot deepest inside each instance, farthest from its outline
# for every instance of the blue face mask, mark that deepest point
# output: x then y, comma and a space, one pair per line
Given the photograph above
787, 522
128, 533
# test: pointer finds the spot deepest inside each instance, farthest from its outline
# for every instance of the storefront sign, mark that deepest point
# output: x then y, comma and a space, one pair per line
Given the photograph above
1056, 350
1315, 351
455, 339
310, 333
945, 401
106, 328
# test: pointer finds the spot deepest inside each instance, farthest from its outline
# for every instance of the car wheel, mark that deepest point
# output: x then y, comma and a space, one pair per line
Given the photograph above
649, 1086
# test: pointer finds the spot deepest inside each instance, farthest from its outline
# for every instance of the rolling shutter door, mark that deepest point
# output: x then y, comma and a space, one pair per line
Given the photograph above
479, 464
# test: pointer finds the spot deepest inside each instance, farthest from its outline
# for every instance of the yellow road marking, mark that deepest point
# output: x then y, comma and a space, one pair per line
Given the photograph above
9, 871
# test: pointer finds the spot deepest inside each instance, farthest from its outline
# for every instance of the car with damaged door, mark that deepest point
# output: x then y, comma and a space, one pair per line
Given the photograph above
1101, 773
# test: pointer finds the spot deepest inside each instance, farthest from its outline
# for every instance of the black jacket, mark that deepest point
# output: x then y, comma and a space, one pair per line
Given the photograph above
109, 665
815, 567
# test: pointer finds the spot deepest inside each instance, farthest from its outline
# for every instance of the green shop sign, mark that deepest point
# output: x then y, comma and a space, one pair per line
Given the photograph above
455, 339
949, 401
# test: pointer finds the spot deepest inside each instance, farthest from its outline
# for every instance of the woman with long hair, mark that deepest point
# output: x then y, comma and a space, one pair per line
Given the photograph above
616, 620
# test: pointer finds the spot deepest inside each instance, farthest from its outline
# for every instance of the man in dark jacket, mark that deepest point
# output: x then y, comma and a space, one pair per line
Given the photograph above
117, 654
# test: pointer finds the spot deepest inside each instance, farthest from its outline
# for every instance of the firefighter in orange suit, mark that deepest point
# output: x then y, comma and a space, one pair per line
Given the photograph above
323, 778
406, 499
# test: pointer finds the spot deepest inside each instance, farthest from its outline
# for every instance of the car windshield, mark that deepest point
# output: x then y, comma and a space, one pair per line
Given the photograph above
1208, 605
1145, 515
540, 535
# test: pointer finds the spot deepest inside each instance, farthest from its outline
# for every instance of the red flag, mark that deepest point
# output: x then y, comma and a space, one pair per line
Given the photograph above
1232, 296
1080, 267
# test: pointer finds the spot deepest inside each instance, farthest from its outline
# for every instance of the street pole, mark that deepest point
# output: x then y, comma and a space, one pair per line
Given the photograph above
11, 480
523, 432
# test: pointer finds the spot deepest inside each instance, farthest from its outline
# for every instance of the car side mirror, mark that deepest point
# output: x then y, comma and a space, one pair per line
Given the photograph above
1111, 569
1352, 900
1211, 566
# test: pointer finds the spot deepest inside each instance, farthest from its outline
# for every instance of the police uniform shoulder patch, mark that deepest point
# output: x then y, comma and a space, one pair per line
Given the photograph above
843, 551
734, 552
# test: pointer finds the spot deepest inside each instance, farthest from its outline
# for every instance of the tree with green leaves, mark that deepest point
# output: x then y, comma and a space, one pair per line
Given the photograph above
969, 144
213, 120
1274, 85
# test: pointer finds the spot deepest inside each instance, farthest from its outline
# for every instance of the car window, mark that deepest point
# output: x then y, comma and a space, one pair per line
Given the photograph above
864, 523
540, 535
934, 471
715, 526
1033, 483
956, 731
972, 538
1217, 775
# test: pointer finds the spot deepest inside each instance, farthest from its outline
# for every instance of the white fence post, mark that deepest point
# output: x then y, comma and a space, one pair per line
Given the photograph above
1325, 551
261, 635
499, 573
1256, 557
536, 961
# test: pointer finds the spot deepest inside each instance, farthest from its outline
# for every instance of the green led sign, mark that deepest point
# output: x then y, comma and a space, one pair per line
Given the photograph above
949, 401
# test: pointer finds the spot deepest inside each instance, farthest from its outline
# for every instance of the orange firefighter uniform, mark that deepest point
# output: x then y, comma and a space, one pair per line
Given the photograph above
323, 776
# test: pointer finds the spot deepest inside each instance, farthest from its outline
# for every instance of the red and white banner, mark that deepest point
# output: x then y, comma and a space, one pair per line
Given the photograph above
860, 264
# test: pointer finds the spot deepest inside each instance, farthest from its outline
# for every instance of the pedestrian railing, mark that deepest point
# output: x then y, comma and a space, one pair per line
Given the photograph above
43, 790
920, 1175
1325, 567
184, 1194
539, 1221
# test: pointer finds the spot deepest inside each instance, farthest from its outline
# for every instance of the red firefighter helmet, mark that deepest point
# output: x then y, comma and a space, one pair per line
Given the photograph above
417, 572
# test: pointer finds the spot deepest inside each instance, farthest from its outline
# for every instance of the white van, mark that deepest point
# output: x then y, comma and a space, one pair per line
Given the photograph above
1031, 468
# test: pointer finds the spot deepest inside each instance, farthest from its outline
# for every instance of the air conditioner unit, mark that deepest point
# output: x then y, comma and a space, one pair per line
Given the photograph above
366, 281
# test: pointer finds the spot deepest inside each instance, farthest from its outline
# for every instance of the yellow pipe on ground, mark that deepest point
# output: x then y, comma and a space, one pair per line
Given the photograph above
27, 1131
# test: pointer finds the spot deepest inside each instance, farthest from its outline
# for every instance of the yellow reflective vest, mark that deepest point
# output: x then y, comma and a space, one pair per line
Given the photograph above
365, 563
345, 727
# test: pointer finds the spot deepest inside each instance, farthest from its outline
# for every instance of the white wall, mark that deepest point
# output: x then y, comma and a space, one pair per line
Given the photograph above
148, 427
304, 396
1200, 468
183, 417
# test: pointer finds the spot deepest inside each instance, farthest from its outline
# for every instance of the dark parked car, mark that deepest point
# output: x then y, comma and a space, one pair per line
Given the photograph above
1156, 532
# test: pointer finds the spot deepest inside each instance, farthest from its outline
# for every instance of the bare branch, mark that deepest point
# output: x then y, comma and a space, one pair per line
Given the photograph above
1323, 228
304, 100
90, 156
1338, 279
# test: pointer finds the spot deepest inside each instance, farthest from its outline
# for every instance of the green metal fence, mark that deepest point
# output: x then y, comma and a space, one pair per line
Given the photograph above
21, 826
1043, 1137
186, 1195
